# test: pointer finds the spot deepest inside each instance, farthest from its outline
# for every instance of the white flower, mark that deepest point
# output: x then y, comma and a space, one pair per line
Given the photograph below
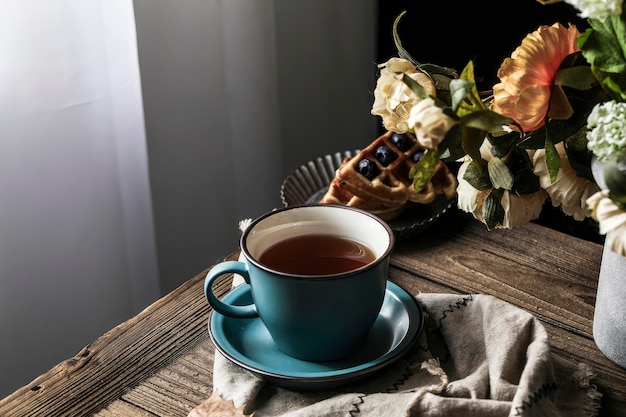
393, 100
607, 129
597, 9
568, 190
430, 123
611, 219
518, 209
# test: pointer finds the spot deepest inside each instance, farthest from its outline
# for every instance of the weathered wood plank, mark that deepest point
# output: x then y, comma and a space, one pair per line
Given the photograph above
178, 387
518, 267
188, 381
122, 409
120, 359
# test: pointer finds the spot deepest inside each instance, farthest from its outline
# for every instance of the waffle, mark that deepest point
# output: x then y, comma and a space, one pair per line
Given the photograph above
386, 189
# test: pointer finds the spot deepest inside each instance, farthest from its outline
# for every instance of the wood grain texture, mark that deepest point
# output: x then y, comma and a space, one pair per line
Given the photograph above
121, 359
159, 363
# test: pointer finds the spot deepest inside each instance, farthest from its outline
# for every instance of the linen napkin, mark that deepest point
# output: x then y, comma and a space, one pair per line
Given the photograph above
476, 356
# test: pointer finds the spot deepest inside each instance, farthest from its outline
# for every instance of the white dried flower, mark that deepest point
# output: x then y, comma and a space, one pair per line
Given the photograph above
393, 100
518, 209
597, 9
611, 220
568, 190
429, 123
607, 129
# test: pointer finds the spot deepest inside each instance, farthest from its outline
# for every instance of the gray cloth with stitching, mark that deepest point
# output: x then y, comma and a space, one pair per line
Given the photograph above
477, 356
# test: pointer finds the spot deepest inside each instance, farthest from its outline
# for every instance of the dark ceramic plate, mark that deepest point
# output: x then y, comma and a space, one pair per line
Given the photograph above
309, 183
247, 343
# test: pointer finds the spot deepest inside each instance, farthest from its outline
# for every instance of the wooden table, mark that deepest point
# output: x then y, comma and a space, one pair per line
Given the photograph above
159, 363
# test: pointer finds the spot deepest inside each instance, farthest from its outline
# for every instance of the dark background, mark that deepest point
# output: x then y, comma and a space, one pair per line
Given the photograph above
451, 34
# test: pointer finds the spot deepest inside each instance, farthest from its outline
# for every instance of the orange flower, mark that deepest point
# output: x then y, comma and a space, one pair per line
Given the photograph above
526, 92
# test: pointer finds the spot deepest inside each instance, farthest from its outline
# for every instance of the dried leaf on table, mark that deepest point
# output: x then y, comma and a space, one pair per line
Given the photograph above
216, 406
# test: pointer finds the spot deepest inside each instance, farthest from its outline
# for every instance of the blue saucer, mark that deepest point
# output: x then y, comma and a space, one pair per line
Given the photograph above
247, 343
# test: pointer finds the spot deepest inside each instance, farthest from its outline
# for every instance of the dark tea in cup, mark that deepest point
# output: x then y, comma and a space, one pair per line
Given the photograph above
317, 277
317, 254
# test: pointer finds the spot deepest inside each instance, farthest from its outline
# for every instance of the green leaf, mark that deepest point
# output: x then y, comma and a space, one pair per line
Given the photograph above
485, 120
580, 77
578, 155
415, 87
493, 212
439, 71
424, 169
604, 44
500, 174
604, 47
553, 160
477, 176
466, 99
451, 147
471, 141
501, 144
459, 89
615, 178
613, 84
402, 53
525, 181
573, 60
442, 84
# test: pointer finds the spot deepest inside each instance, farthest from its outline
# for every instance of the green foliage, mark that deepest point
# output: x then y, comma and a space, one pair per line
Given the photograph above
493, 212
500, 174
575, 72
615, 178
477, 175
486, 120
402, 53
451, 148
465, 97
502, 142
604, 47
471, 140
424, 169
578, 155
415, 87
525, 181
553, 160
461, 94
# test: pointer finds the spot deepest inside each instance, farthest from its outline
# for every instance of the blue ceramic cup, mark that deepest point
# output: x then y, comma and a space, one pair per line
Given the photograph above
318, 314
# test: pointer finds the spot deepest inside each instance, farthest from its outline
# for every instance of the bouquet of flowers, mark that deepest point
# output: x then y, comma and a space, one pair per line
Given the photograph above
560, 102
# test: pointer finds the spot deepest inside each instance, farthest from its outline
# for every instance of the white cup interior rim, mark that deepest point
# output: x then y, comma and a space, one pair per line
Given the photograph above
338, 220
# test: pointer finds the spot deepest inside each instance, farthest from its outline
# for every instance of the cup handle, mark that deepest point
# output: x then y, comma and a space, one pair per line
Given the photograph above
241, 268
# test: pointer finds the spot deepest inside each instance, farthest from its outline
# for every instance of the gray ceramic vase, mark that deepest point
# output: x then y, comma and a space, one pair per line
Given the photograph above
609, 320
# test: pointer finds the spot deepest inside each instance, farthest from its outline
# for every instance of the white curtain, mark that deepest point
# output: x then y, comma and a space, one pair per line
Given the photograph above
212, 119
77, 252
237, 94
233, 94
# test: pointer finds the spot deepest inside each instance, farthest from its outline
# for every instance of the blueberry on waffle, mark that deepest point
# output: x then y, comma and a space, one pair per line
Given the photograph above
377, 179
